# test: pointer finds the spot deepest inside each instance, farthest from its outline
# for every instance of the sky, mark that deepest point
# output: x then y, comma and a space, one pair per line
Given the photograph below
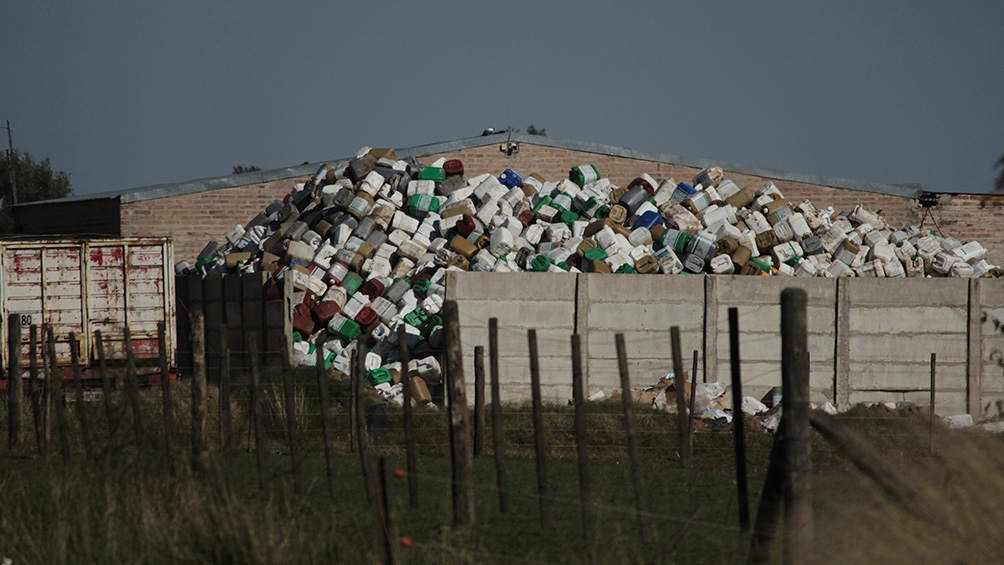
127, 94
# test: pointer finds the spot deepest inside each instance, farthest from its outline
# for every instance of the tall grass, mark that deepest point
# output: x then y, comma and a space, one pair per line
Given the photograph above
125, 505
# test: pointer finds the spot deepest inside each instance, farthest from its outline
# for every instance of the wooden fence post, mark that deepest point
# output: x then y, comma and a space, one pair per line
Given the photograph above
768, 511
934, 363
58, 397
326, 429
795, 402
538, 430
78, 388
692, 405
106, 385
15, 390
409, 430
479, 400
460, 423
36, 389
627, 401
738, 421
199, 463
680, 380
383, 515
132, 388
251, 342
581, 448
289, 394
498, 442
167, 402
362, 437
226, 420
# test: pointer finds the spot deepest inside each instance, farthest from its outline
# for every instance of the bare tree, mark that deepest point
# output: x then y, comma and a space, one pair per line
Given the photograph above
999, 185
239, 169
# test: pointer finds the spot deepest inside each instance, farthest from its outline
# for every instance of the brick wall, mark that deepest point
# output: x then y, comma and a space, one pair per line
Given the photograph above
967, 218
195, 219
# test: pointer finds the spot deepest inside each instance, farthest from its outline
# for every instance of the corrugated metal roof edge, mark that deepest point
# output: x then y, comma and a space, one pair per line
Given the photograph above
904, 191
259, 177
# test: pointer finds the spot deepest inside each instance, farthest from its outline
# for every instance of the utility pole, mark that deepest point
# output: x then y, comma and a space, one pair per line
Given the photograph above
10, 164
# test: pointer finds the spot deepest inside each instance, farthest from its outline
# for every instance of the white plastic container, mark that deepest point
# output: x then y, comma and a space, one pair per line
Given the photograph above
669, 263
943, 262
404, 222
722, 264
640, 236
799, 226
806, 268
840, 269
894, 269
970, 252
783, 231
785, 252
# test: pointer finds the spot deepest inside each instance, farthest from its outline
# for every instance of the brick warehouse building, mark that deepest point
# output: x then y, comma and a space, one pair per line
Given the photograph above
195, 212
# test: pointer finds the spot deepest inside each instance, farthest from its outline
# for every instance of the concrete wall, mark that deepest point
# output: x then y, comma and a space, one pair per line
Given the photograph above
891, 332
758, 302
987, 322
520, 301
870, 340
643, 311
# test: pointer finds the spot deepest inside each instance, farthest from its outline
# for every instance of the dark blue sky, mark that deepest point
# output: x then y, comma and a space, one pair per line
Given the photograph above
126, 94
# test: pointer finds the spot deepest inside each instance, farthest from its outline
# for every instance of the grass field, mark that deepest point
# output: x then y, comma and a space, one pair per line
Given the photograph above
125, 506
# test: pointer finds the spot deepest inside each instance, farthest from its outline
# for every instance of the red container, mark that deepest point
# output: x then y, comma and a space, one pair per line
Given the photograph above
303, 322
366, 317
372, 288
466, 225
274, 292
309, 300
322, 312
453, 167
526, 217
641, 181
419, 276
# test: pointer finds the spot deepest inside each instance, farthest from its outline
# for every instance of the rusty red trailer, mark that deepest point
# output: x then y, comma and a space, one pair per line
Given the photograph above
86, 285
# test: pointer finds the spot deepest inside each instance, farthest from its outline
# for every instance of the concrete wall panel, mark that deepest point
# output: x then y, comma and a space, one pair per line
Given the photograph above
878, 334
643, 309
758, 301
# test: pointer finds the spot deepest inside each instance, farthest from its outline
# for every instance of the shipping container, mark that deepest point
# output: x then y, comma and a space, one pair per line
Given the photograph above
88, 285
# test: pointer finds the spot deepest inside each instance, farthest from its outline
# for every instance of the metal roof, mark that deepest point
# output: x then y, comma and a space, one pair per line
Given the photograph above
911, 191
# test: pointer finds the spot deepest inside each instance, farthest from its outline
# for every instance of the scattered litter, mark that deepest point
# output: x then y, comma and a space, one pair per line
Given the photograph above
753, 406
773, 420
993, 427
959, 421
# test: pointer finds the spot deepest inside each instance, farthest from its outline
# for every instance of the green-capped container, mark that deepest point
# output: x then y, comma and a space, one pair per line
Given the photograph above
584, 174
421, 205
541, 203
421, 286
351, 282
379, 376
594, 254
626, 269
435, 174
676, 240
540, 263
763, 266
562, 201
345, 327
417, 317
